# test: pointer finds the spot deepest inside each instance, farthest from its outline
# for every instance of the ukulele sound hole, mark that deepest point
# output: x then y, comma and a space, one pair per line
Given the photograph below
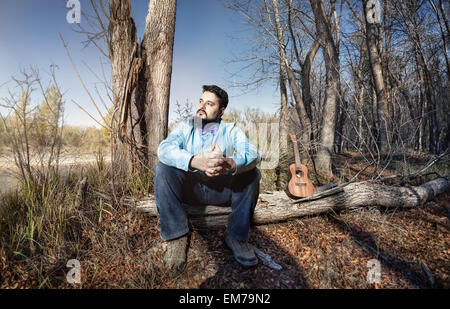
299, 173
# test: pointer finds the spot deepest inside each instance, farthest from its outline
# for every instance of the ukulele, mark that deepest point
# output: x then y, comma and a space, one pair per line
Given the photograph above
299, 186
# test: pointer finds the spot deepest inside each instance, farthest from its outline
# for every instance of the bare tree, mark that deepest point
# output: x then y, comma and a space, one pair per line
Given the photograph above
395, 100
383, 119
332, 65
141, 75
414, 24
35, 142
285, 62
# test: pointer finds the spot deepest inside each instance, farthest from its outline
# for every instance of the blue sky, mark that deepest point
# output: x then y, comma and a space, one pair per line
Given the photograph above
29, 36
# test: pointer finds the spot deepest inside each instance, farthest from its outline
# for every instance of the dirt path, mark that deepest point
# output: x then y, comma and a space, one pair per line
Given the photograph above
67, 162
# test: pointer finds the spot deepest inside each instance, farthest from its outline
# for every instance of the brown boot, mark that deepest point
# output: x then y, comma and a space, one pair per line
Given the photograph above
242, 251
175, 257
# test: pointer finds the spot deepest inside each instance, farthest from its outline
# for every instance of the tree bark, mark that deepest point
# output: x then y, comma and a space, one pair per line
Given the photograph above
340, 126
122, 32
284, 113
141, 78
372, 41
277, 207
305, 77
429, 95
444, 35
284, 127
158, 42
360, 98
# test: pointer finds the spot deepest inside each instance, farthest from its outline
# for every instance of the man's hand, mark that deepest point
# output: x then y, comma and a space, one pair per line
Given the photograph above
201, 161
212, 162
219, 164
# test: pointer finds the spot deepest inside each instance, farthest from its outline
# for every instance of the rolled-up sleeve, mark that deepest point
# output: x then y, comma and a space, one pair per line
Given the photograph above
247, 156
171, 152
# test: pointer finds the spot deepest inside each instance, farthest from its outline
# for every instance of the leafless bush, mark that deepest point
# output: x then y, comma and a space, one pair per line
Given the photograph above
33, 130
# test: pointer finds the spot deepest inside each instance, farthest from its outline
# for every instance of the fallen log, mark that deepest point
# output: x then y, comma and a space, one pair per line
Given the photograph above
276, 206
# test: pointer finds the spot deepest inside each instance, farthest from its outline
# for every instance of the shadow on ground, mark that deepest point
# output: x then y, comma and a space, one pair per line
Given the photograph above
390, 260
211, 265
328, 251
230, 274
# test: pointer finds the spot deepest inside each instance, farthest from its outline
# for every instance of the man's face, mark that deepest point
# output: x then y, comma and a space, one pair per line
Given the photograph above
209, 108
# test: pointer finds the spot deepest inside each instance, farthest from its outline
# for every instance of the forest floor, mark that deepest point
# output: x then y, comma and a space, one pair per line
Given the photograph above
333, 250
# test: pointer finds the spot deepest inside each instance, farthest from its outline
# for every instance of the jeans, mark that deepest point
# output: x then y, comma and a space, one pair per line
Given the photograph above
173, 187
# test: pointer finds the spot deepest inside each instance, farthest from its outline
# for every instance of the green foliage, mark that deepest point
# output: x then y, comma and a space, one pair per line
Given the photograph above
47, 118
95, 139
73, 136
86, 139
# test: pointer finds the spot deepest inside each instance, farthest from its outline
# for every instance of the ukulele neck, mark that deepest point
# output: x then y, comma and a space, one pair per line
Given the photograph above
297, 155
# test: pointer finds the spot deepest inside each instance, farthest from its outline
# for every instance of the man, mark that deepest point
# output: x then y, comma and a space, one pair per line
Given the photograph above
193, 169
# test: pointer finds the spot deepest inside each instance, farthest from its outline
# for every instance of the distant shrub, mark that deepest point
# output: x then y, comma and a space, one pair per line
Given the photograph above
95, 139
73, 136
88, 139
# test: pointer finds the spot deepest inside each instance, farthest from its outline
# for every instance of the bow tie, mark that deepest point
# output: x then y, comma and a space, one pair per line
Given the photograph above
209, 128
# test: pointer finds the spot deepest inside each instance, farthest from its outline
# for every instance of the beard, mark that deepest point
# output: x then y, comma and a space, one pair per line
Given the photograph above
205, 121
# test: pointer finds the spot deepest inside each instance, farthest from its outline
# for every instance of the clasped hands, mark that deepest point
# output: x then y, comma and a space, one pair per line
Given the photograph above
213, 162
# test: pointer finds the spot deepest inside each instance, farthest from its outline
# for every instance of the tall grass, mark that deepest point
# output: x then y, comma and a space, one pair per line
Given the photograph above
41, 229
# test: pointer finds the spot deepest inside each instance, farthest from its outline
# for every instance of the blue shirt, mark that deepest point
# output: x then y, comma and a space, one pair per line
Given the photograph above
187, 140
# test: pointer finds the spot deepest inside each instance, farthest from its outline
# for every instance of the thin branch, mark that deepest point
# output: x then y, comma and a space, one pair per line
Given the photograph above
81, 80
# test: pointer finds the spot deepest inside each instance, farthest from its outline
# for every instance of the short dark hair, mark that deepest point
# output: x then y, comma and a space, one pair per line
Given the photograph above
219, 92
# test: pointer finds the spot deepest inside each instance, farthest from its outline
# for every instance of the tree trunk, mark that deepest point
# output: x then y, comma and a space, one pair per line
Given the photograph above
305, 77
158, 43
276, 206
122, 32
284, 127
340, 126
284, 113
330, 55
141, 78
444, 35
429, 96
375, 119
360, 98
384, 127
